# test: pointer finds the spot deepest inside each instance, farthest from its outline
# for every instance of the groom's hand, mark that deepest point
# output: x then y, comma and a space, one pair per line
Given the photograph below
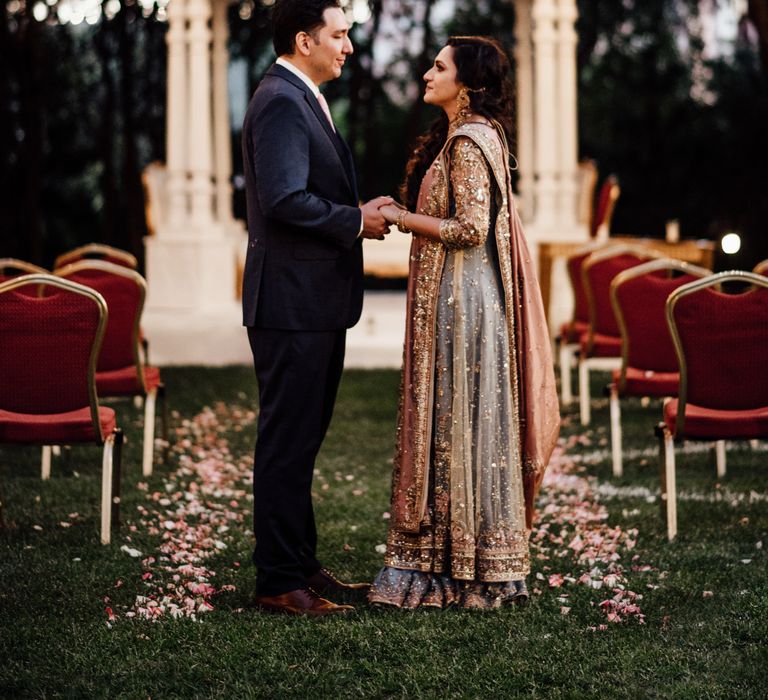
374, 223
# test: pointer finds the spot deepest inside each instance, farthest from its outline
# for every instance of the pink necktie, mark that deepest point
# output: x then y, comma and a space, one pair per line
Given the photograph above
327, 111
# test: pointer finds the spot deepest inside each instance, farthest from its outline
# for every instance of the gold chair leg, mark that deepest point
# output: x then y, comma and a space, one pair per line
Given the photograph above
164, 420
720, 458
616, 437
45, 463
671, 485
117, 477
149, 432
566, 394
106, 488
584, 397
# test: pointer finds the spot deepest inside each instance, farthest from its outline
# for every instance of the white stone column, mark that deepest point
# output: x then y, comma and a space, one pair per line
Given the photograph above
176, 113
200, 139
525, 109
222, 147
544, 17
567, 111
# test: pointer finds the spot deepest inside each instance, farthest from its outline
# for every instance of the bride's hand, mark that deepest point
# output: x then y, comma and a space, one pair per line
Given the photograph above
390, 212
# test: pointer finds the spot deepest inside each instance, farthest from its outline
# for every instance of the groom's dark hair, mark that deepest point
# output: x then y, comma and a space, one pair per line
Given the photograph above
289, 17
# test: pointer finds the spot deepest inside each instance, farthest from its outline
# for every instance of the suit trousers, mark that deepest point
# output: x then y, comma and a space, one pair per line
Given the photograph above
298, 374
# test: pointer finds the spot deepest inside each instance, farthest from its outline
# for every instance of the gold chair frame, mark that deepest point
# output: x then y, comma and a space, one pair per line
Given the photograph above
26, 267
567, 351
600, 363
614, 390
110, 467
150, 397
666, 438
98, 249
603, 229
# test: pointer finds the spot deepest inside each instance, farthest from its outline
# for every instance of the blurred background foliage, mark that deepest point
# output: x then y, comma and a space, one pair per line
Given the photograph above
82, 109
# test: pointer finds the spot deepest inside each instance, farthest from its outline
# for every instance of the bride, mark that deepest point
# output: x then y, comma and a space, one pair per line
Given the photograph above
478, 415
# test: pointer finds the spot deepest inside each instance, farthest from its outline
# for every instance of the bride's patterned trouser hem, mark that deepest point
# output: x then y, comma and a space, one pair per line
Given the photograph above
408, 589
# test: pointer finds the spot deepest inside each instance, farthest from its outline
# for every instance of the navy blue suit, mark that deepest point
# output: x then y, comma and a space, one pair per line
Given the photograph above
302, 288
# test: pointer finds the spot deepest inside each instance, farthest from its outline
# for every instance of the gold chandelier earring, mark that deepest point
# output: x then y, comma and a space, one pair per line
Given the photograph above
462, 105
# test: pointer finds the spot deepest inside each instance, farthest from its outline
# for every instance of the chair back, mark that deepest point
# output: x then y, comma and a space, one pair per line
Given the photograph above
606, 202
97, 251
597, 273
124, 291
721, 339
574, 264
586, 183
761, 268
10, 268
639, 297
49, 346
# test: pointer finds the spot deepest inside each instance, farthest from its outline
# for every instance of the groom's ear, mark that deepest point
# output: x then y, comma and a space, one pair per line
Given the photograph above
302, 43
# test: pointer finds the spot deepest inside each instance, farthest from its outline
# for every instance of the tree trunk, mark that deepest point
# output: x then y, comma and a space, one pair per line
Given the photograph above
109, 189
135, 215
31, 81
420, 66
8, 146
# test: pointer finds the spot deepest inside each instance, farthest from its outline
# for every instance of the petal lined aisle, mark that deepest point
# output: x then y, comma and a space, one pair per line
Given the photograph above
204, 510
205, 502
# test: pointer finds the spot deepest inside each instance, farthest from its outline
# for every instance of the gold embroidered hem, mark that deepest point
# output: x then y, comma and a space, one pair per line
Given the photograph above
428, 552
410, 590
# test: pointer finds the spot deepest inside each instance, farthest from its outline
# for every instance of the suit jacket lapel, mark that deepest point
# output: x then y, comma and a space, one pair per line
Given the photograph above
342, 150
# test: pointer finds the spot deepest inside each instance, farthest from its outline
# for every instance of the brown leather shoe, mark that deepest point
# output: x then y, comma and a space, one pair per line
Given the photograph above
302, 601
325, 582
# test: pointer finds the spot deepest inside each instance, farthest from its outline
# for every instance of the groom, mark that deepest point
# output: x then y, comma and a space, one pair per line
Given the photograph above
302, 288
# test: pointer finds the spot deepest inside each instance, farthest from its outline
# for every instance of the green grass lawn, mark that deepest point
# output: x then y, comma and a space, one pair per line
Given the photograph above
704, 597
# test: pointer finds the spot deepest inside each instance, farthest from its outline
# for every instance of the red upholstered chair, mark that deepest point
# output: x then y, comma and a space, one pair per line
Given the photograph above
100, 251
49, 345
97, 251
720, 336
600, 346
606, 202
648, 360
571, 331
761, 268
120, 371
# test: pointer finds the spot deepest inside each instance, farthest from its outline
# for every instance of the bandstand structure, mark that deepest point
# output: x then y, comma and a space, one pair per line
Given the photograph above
193, 254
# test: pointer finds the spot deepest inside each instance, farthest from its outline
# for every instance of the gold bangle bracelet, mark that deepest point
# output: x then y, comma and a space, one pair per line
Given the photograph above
401, 225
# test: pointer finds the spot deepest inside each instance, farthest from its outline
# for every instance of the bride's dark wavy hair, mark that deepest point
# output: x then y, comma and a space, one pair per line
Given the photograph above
482, 66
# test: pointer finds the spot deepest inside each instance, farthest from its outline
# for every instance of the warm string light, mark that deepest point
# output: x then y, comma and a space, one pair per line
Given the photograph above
731, 243
76, 12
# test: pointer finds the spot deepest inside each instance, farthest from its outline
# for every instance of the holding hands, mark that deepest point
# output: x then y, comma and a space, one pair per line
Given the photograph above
379, 214
392, 212
375, 225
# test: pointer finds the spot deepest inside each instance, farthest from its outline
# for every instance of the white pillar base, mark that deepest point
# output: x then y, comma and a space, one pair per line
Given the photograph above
192, 271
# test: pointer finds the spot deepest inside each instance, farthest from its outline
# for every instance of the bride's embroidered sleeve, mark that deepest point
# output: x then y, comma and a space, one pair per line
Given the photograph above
471, 195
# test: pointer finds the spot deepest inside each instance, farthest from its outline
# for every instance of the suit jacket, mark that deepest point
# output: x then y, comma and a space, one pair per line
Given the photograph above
304, 267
